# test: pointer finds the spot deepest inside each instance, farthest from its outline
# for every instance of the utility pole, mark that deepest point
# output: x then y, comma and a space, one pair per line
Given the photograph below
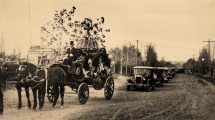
30, 23
29, 10
1, 44
137, 53
209, 52
127, 62
121, 61
209, 46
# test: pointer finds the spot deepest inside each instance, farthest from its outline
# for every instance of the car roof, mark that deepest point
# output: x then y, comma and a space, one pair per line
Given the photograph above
162, 68
143, 67
165, 68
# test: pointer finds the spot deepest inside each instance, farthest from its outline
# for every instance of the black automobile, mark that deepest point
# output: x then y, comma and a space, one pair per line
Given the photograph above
143, 78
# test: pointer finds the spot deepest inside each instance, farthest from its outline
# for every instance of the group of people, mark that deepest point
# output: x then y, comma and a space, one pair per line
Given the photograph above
78, 59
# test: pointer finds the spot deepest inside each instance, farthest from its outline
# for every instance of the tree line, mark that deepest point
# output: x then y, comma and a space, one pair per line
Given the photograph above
128, 56
203, 65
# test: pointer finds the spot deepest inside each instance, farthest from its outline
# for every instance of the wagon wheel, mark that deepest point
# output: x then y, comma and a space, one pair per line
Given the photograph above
83, 93
51, 94
109, 88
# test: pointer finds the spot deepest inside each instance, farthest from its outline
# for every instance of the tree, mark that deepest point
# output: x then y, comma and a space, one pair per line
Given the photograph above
151, 56
116, 54
204, 61
2, 56
127, 56
163, 63
191, 65
65, 27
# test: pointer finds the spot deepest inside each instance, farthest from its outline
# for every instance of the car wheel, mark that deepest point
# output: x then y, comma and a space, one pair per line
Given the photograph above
148, 88
153, 87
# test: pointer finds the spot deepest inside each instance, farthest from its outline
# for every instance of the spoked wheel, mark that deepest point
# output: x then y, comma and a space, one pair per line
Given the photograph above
51, 94
83, 93
109, 88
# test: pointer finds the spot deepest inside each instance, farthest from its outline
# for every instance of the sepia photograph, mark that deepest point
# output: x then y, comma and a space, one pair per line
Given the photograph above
107, 59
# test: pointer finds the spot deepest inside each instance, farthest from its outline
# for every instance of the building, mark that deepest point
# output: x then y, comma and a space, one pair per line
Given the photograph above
41, 56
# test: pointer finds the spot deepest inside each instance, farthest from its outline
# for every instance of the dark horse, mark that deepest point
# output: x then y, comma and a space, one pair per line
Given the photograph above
3, 76
55, 78
27, 78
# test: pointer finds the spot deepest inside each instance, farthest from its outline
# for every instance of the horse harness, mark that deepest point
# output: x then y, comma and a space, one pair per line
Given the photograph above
27, 76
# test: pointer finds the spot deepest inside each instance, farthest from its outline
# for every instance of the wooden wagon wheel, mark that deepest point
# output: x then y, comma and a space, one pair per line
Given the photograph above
83, 93
109, 88
51, 94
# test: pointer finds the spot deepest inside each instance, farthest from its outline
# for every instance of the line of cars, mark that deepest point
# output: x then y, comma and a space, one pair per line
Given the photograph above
148, 77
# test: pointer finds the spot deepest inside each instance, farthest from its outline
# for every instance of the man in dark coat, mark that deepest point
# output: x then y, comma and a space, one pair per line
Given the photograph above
69, 54
72, 53
2, 80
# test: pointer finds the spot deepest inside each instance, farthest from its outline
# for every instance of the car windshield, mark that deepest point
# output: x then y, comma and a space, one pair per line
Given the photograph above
141, 71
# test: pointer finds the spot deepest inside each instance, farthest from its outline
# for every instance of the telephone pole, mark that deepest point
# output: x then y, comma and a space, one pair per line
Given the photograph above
30, 24
137, 53
209, 46
2, 43
211, 59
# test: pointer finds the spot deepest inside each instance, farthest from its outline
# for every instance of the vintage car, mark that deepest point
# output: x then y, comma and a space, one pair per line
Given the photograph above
163, 73
159, 76
143, 78
171, 72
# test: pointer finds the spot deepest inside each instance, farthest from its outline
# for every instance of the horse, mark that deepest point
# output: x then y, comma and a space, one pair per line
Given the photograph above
26, 78
55, 76
39, 79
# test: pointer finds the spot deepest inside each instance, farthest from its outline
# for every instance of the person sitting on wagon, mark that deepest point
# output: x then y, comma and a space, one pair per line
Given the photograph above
88, 68
72, 53
71, 57
76, 58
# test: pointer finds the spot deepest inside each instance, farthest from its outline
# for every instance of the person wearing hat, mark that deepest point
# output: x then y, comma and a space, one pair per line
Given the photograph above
72, 53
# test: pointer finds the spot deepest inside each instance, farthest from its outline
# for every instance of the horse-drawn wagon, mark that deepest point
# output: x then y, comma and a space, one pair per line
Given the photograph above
92, 68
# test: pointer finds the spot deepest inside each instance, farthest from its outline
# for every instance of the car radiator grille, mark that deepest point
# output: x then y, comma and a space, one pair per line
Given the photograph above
138, 79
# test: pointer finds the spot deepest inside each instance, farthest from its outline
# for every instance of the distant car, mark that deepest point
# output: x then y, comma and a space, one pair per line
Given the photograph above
172, 71
167, 74
181, 70
160, 76
11, 67
143, 78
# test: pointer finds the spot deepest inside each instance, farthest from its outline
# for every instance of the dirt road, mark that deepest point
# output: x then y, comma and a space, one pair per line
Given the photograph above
184, 97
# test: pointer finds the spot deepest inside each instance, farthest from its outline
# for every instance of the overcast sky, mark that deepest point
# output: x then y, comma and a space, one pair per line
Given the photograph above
176, 27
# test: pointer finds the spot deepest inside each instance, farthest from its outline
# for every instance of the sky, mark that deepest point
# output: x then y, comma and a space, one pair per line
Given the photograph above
177, 28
